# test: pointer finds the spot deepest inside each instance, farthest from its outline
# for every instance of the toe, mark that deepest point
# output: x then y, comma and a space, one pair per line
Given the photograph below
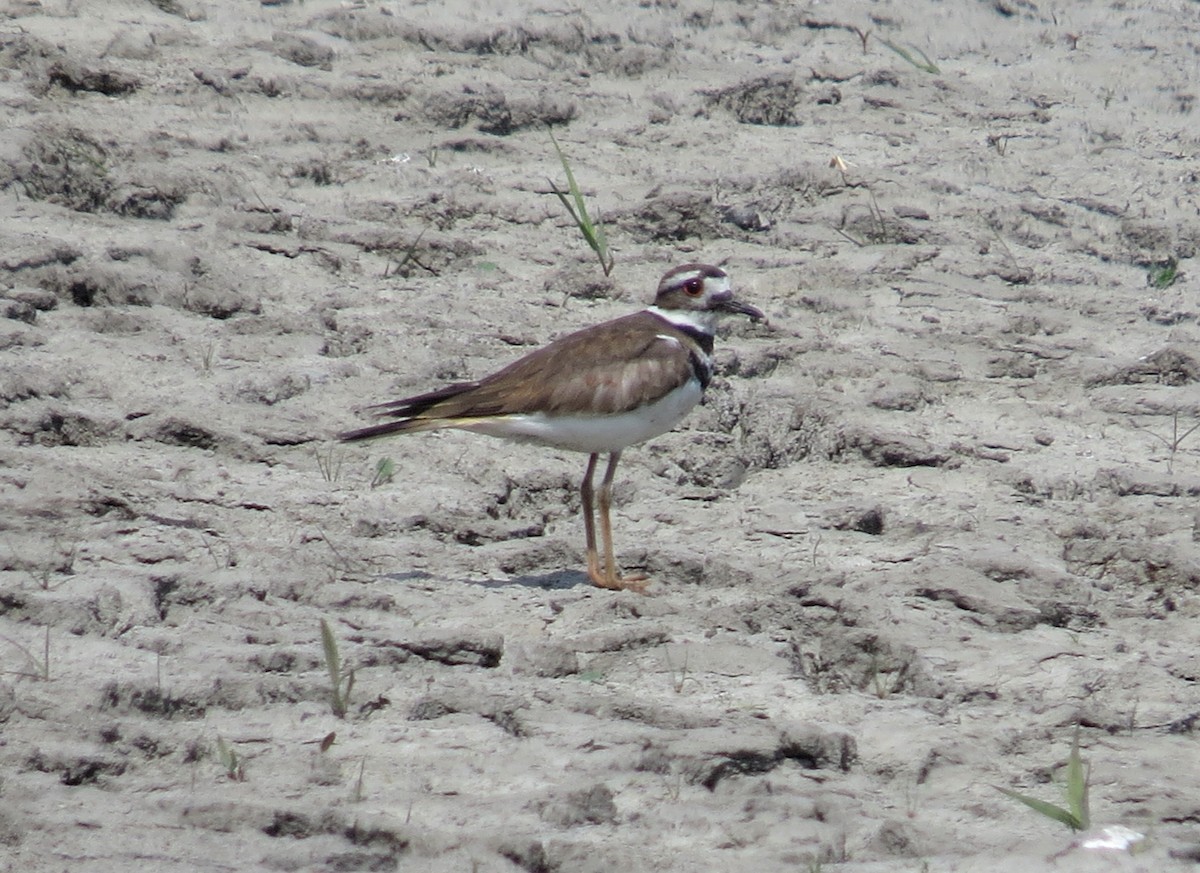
612, 582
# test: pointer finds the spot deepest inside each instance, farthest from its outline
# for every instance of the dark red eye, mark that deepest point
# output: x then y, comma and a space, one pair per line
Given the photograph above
693, 287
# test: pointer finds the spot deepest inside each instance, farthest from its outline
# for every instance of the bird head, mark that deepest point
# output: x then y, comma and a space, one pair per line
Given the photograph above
702, 291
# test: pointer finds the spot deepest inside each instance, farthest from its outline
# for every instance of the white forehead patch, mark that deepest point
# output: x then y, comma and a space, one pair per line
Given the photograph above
681, 279
716, 284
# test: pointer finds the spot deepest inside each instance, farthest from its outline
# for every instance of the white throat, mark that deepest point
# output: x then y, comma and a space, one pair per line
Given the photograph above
705, 322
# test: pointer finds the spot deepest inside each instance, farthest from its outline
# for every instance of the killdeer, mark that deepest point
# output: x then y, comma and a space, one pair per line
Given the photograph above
599, 391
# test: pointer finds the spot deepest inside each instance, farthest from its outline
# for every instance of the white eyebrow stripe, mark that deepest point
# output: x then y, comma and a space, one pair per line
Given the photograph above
670, 339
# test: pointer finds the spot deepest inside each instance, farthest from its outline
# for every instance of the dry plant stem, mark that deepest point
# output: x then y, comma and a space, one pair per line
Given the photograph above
38, 670
329, 464
1175, 441
1012, 259
410, 255
358, 785
342, 561
877, 214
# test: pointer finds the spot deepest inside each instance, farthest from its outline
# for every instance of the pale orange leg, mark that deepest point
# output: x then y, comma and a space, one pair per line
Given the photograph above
589, 520
605, 577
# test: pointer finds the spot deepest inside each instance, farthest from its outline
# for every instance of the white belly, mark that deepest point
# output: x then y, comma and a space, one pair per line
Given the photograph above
595, 433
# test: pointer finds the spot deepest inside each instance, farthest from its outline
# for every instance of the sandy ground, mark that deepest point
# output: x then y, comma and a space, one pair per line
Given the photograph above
936, 515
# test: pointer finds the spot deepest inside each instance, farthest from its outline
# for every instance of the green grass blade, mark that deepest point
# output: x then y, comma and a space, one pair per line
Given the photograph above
1163, 276
1077, 786
580, 208
578, 212
572, 200
599, 243
332, 661
562, 198
385, 471
1049, 810
929, 66
924, 64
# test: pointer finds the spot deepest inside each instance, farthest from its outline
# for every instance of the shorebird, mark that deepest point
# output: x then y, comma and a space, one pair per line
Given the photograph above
599, 391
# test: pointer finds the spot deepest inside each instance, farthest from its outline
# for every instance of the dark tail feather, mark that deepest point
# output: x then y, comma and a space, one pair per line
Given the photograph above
407, 411
413, 406
385, 429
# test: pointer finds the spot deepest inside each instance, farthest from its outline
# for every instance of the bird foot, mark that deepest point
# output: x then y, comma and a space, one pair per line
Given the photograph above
611, 581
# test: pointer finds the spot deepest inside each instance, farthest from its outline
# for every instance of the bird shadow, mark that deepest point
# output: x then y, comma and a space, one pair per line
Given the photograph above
407, 576
555, 580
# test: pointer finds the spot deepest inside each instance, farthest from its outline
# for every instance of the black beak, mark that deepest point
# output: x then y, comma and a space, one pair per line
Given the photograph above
737, 307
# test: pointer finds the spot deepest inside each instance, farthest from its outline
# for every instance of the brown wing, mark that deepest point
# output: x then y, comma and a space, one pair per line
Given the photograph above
582, 372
